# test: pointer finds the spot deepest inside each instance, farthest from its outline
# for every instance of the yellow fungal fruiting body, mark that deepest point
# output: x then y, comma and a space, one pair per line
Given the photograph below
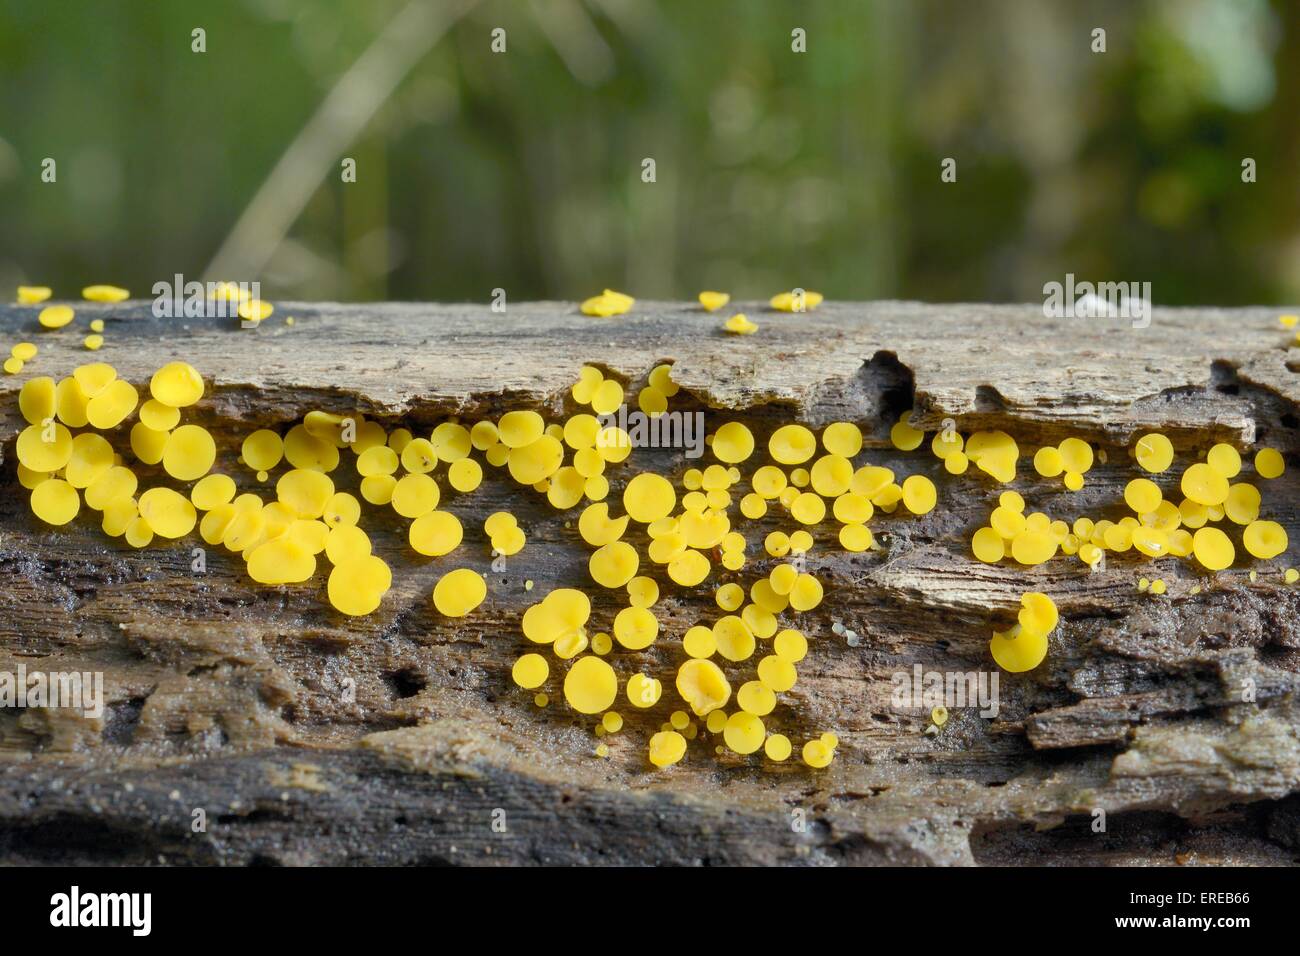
713, 301
459, 592
1023, 647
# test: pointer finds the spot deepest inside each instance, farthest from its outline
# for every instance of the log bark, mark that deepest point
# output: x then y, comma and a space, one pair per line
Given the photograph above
306, 737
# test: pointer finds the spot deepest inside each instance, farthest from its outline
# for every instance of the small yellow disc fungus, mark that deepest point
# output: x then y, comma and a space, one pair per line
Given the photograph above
808, 508
459, 592
283, 561
212, 491
104, 293
733, 638
739, 324
1154, 452
1213, 548
44, 448
699, 642
465, 474
635, 628
1018, 650
110, 407
903, 436
856, 538
643, 691
159, 417
378, 489
614, 565
590, 686
33, 294
138, 533
988, 545
536, 461
713, 301
806, 593
1269, 463
113, 485
730, 597
177, 384
169, 513
777, 747
435, 533
94, 378
357, 586
1242, 504
1225, 460
36, 400
790, 645
1076, 455
818, 754
415, 495
607, 397
262, 450
666, 748
530, 671
1264, 539
1153, 542
1033, 547
643, 591
744, 733
792, 444
1142, 495
831, 475
842, 438
55, 501
755, 697
189, 453
521, 428
450, 441
733, 443
1048, 461
55, 316
1204, 485
649, 497
92, 455
703, 686
307, 492
777, 673
919, 495
118, 516
346, 543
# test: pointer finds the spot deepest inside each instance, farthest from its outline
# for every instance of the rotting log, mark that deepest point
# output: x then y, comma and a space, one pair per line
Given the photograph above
306, 737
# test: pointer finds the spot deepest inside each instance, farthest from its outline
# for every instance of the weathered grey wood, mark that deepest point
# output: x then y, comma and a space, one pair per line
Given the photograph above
232, 698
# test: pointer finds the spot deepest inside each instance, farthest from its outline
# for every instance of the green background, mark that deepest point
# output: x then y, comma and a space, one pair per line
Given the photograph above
522, 170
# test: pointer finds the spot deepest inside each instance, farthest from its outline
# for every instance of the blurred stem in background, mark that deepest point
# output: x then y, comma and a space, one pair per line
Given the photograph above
523, 169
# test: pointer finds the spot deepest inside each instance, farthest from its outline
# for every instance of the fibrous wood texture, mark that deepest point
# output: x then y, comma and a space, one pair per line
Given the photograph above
305, 737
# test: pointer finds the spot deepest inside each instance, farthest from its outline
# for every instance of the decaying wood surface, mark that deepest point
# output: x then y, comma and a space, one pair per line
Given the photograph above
238, 699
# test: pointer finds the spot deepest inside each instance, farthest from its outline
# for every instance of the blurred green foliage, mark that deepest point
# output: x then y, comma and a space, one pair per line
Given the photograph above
522, 170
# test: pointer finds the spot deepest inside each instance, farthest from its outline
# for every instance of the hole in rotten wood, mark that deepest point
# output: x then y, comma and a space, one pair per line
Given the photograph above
406, 682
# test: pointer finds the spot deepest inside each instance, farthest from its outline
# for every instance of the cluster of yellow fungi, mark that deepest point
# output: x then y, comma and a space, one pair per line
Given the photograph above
1206, 494
58, 316
610, 303
733, 670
